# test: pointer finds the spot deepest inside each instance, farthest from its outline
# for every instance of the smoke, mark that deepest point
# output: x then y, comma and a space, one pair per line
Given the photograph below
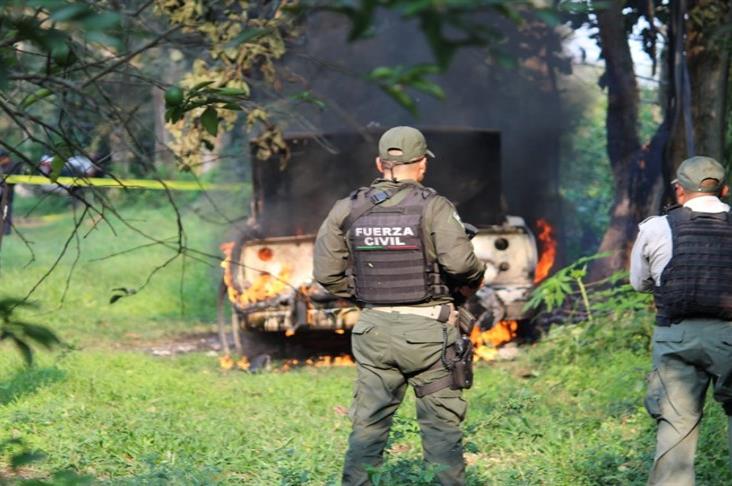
521, 102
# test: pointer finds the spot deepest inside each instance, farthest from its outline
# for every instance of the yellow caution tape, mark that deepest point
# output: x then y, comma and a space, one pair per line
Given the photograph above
122, 183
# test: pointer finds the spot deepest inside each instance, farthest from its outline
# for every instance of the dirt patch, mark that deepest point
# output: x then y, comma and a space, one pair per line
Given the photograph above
206, 342
187, 344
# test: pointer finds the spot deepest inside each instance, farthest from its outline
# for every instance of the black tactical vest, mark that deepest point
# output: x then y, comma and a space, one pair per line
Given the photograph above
389, 264
697, 282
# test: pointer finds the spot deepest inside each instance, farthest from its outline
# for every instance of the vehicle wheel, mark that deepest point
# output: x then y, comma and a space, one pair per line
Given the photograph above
254, 343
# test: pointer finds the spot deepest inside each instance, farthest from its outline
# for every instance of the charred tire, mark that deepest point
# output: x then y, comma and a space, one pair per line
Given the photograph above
220, 319
255, 343
529, 331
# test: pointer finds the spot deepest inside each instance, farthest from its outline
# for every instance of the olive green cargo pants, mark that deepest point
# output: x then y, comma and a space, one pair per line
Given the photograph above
391, 350
687, 357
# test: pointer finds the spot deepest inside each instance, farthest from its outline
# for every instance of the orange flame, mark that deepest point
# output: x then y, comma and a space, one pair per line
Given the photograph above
486, 342
226, 249
548, 250
343, 360
264, 286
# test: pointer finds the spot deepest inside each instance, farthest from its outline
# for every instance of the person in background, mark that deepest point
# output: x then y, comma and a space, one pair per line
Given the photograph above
6, 191
685, 259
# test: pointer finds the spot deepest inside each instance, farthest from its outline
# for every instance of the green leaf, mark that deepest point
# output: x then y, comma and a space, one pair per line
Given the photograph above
201, 85
35, 97
104, 39
401, 97
419, 70
101, 21
234, 91
428, 87
247, 36
173, 114
210, 120
549, 17
48, 4
442, 48
308, 97
74, 11
382, 72
362, 20
57, 164
416, 6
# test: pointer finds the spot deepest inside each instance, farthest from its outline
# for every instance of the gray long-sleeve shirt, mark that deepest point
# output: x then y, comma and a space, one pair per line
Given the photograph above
653, 248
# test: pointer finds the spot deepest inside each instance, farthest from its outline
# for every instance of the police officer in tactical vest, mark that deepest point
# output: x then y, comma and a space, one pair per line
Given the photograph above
685, 258
398, 249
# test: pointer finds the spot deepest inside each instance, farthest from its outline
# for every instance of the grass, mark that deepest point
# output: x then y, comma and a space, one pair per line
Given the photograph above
567, 412
179, 296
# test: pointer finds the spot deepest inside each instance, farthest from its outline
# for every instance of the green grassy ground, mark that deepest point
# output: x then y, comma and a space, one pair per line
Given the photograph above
567, 412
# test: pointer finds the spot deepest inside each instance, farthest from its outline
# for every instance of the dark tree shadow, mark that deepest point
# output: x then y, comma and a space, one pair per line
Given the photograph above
27, 381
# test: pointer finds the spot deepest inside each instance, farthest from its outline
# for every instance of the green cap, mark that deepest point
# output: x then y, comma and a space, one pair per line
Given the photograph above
408, 141
692, 172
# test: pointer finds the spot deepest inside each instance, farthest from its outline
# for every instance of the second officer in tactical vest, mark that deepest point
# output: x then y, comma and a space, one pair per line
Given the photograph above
685, 259
398, 249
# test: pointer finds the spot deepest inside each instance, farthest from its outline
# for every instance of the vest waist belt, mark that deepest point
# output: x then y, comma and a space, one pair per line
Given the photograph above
441, 312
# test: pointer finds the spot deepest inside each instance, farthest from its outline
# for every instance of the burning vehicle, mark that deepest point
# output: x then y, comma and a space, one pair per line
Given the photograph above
268, 269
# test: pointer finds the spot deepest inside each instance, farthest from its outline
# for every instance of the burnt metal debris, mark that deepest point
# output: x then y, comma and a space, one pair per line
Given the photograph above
268, 270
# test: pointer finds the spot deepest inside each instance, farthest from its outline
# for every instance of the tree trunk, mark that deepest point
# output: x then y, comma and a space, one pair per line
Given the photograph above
708, 61
636, 169
641, 174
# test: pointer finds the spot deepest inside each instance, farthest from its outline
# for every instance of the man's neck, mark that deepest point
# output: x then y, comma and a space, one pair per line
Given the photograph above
706, 203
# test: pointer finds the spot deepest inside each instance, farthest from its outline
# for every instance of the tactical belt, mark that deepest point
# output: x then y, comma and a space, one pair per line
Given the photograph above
441, 313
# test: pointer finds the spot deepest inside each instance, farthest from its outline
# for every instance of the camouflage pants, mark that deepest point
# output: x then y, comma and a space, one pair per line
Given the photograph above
687, 357
391, 350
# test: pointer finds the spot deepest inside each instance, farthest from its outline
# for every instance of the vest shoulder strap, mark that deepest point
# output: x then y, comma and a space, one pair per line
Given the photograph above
365, 200
678, 215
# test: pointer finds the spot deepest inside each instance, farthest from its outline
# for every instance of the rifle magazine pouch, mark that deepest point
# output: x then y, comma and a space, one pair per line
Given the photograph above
466, 321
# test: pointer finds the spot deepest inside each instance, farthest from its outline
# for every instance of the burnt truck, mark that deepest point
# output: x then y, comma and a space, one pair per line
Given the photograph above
268, 269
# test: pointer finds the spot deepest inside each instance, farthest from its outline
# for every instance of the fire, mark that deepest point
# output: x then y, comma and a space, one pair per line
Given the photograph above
548, 250
226, 249
265, 285
343, 360
486, 342
226, 362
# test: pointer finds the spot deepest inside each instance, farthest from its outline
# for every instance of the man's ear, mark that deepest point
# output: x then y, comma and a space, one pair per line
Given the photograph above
680, 194
379, 165
725, 191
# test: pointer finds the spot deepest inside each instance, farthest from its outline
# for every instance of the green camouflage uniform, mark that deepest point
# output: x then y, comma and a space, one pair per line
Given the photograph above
393, 348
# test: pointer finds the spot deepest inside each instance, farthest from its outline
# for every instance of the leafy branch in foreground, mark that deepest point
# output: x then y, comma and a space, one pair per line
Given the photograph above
562, 292
22, 334
15, 452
